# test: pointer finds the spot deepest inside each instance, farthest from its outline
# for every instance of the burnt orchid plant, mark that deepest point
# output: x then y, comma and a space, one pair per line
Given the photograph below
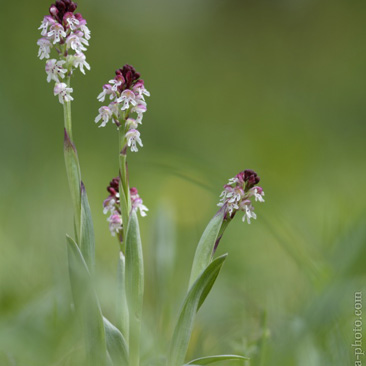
65, 34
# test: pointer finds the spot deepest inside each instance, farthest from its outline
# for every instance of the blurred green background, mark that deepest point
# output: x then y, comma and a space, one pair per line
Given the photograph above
275, 86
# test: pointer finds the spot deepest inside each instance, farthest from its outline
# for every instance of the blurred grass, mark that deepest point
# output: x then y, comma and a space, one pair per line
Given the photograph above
275, 86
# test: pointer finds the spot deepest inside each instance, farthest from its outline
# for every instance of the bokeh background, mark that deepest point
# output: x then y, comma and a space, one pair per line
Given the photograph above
275, 86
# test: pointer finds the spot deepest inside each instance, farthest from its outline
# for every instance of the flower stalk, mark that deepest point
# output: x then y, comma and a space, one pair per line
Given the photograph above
67, 114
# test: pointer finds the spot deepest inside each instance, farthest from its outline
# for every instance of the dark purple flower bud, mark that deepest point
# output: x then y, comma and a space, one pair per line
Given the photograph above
113, 187
73, 6
130, 77
250, 178
79, 17
60, 5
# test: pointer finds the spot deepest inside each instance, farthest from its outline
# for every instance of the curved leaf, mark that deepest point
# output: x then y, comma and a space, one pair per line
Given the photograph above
134, 285
212, 359
87, 306
87, 240
116, 344
74, 178
121, 303
205, 247
198, 292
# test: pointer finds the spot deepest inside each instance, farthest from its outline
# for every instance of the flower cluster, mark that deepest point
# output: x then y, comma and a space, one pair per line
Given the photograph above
111, 206
68, 34
126, 96
238, 194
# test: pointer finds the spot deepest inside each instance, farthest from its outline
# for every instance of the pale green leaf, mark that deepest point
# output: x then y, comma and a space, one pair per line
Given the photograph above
87, 306
116, 344
134, 285
87, 240
204, 251
121, 303
212, 359
74, 179
184, 326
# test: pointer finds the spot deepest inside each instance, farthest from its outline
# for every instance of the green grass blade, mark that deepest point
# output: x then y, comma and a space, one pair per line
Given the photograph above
203, 255
121, 303
87, 306
213, 359
116, 344
134, 286
87, 239
184, 326
74, 178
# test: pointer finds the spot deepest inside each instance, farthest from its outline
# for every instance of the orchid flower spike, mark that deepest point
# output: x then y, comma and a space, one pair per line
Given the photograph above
111, 206
239, 193
66, 32
126, 95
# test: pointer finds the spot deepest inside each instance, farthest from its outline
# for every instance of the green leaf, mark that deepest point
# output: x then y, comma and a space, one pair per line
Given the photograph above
74, 178
213, 359
134, 285
193, 300
87, 306
123, 206
87, 240
204, 251
121, 303
116, 344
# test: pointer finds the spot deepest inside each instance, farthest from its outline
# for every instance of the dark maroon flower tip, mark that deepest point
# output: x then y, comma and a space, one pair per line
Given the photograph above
113, 187
60, 8
250, 178
128, 75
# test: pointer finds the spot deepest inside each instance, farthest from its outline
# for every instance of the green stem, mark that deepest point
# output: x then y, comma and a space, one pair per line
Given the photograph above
123, 162
67, 114
72, 167
223, 227
125, 199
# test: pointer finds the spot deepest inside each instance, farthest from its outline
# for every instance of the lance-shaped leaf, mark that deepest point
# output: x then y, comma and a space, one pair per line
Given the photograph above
213, 359
195, 297
121, 303
87, 240
74, 178
116, 344
205, 247
134, 286
87, 306
123, 206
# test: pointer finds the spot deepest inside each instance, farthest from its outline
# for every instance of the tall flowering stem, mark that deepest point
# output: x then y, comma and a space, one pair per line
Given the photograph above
125, 109
126, 94
65, 33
